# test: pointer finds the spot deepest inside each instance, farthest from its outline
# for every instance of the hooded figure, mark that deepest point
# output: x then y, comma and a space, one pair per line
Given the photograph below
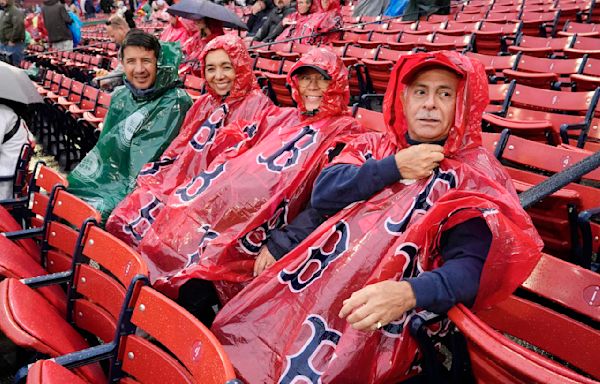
394, 235
297, 24
329, 17
206, 29
204, 135
178, 30
139, 126
213, 226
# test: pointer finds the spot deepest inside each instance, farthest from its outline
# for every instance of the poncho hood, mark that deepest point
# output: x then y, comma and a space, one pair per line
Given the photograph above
471, 99
337, 95
245, 81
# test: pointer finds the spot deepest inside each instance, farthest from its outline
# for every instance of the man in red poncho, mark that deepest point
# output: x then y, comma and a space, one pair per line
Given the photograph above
342, 298
214, 226
233, 95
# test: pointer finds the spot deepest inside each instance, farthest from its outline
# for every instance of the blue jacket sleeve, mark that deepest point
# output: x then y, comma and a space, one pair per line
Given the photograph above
342, 184
464, 249
287, 238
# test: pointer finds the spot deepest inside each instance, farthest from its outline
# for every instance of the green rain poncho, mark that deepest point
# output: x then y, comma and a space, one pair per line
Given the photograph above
137, 129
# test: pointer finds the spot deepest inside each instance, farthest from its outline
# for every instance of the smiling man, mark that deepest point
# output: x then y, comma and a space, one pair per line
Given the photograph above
144, 117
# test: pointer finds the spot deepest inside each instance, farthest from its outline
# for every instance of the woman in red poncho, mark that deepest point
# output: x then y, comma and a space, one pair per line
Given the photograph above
302, 315
233, 95
206, 29
329, 18
297, 24
178, 29
213, 226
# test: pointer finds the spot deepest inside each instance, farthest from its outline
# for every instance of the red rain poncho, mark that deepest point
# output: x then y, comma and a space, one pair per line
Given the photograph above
193, 46
304, 25
181, 31
316, 21
199, 141
287, 318
214, 227
330, 19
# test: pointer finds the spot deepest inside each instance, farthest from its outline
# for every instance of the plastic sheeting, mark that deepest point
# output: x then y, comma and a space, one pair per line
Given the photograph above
181, 31
287, 318
319, 20
203, 135
137, 129
214, 226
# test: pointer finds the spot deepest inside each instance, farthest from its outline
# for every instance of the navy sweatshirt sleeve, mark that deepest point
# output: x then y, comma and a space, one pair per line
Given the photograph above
464, 249
287, 238
342, 184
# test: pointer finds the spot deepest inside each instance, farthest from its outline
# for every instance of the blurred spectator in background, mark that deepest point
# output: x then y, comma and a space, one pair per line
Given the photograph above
273, 26
117, 28
12, 31
179, 29
106, 5
57, 20
90, 9
260, 10
206, 30
70, 5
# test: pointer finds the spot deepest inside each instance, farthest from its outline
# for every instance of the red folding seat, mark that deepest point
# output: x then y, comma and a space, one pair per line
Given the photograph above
73, 98
377, 39
408, 41
279, 89
193, 86
499, 96
589, 78
470, 17
494, 65
95, 296
580, 29
370, 120
378, 71
60, 85
439, 41
87, 102
488, 38
459, 28
543, 73
540, 46
496, 358
539, 23
351, 37
188, 352
97, 117
583, 45
296, 51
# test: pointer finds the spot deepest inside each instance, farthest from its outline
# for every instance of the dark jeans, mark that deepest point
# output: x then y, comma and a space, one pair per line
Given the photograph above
15, 52
198, 297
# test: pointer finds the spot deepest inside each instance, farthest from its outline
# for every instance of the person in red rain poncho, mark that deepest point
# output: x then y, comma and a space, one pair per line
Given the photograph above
179, 29
206, 29
341, 299
214, 226
329, 18
301, 22
233, 95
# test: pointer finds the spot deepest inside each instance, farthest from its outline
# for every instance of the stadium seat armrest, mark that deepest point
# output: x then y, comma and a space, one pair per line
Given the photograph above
366, 99
46, 280
565, 128
24, 234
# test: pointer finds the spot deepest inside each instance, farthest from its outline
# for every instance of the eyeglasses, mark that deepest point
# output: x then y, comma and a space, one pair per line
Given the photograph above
305, 80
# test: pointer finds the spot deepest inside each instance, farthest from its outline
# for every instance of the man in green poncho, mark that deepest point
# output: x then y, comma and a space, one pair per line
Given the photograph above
144, 116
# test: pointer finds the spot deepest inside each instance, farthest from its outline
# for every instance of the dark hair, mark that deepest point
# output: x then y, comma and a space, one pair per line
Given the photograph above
139, 38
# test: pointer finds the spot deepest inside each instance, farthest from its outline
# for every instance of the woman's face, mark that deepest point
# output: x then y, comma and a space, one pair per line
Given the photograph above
325, 4
219, 72
304, 6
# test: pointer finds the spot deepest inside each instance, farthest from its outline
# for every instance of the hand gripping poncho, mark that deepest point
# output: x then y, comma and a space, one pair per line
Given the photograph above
205, 133
137, 129
214, 226
287, 318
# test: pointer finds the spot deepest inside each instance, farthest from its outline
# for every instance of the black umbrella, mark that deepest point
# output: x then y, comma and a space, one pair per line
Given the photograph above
198, 9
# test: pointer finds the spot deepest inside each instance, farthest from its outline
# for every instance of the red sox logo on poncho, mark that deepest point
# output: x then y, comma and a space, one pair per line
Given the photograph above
301, 366
208, 130
438, 185
287, 156
253, 241
138, 227
207, 236
154, 167
199, 183
330, 250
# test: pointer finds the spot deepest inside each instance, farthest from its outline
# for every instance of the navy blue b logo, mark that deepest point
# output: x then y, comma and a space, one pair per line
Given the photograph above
253, 241
155, 166
208, 130
207, 235
288, 155
302, 365
138, 227
330, 250
199, 183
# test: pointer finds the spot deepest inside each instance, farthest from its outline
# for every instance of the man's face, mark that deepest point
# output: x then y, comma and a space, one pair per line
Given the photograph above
140, 66
219, 71
303, 6
430, 104
116, 33
3, 3
312, 85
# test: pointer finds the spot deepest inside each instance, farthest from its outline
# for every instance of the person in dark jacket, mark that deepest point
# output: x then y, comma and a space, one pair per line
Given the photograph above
90, 9
260, 10
12, 31
272, 27
57, 20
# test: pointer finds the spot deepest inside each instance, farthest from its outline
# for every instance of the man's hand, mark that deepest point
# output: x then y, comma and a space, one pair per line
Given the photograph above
263, 261
257, 7
287, 22
381, 303
419, 161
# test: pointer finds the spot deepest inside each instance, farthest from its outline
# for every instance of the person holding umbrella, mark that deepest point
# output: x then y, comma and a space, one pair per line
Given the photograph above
16, 92
210, 18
